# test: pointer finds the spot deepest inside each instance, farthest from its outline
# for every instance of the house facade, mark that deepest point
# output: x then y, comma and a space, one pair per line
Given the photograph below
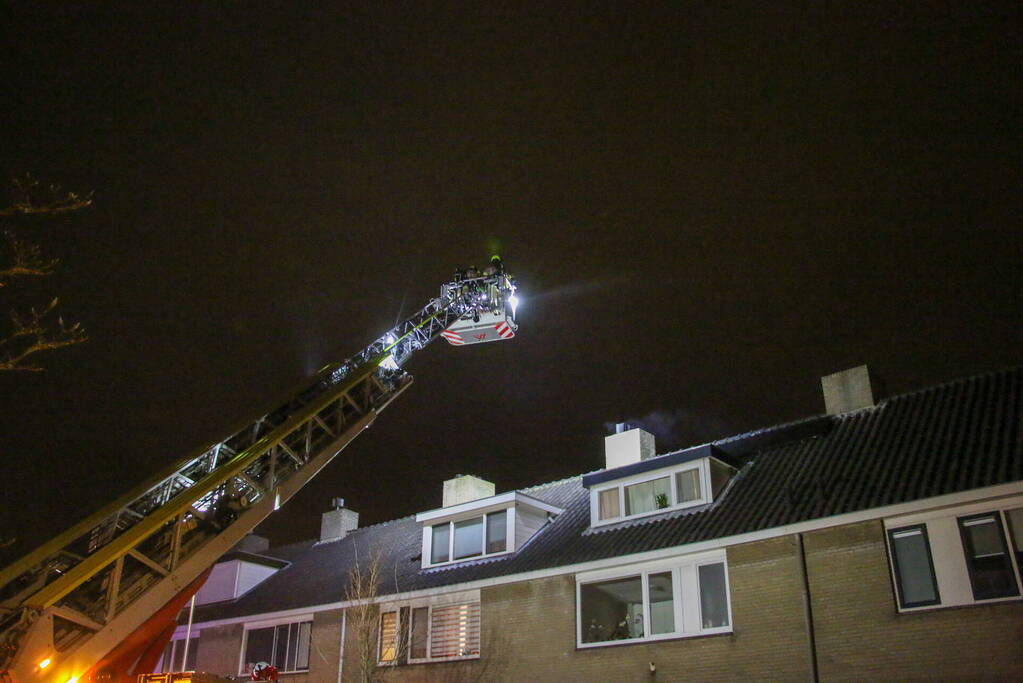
883, 540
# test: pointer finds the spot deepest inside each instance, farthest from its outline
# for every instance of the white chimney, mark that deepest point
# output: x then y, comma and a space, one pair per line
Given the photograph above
847, 390
627, 446
464, 488
335, 524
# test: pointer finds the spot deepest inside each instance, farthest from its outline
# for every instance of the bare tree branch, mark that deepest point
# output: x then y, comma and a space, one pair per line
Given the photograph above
29, 196
34, 333
26, 259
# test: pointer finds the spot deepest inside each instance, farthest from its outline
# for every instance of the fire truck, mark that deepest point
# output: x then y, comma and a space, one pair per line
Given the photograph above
99, 602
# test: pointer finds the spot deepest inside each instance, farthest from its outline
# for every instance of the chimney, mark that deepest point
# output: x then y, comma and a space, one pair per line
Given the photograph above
627, 446
253, 544
464, 488
847, 390
335, 524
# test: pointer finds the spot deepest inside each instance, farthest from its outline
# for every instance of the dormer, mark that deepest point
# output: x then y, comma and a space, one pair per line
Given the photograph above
475, 524
239, 571
637, 483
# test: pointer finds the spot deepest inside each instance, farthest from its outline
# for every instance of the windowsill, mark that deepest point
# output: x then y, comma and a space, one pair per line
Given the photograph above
441, 660
723, 631
660, 511
976, 603
474, 558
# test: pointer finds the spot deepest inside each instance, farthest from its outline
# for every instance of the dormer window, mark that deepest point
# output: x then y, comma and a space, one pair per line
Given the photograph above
668, 482
474, 537
487, 527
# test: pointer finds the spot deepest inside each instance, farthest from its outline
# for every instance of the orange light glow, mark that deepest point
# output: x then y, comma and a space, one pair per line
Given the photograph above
45, 663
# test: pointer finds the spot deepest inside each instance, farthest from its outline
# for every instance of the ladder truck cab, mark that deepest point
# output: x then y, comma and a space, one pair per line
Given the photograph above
99, 602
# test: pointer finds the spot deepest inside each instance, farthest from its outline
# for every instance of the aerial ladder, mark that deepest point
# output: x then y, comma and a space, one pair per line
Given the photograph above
99, 601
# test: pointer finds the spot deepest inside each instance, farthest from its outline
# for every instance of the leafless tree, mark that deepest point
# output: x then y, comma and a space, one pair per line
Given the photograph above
42, 328
363, 625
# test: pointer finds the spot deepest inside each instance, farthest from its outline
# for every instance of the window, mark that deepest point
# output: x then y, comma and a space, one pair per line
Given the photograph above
648, 496
388, 641
648, 605
915, 581
687, 484
609, 504
174, 653
432, 633
679, 486
1015, 519
987, 557
713, 596
285, 647
474, 537
441, 541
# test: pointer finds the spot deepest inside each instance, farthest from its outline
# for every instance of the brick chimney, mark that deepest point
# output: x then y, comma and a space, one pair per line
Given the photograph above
847, 390
337, 522
464, 488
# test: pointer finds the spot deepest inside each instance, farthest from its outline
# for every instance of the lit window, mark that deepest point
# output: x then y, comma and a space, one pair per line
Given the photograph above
687, 483
388, 650
648, 496
428, 634
609, 504
285, 647
647, 605
987, 557
914, 568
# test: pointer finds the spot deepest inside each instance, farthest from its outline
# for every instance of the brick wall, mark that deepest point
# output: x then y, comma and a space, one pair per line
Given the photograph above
861, 636
219, 649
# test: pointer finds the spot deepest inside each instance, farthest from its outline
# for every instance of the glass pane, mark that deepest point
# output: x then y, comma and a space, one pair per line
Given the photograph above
167, 660
1015, 518
612, 610
719, 476
259, 647
420, 625
609, 504
289, 664
688, 485
713, 596
468, 538
662, 604
193, 650
648, 496
497, 532
441, 539
455, 631
388, 636
281, 647
912, 559
988, 558
302, 646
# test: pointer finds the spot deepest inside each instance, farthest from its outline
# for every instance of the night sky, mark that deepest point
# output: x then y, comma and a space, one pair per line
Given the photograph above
707, 208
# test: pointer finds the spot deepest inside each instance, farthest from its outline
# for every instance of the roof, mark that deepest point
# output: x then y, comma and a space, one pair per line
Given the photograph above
945, 439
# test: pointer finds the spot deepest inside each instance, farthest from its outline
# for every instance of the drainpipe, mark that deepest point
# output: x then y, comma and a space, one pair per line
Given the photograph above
808, 612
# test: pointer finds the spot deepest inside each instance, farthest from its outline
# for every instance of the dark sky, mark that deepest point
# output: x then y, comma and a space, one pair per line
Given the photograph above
707, 207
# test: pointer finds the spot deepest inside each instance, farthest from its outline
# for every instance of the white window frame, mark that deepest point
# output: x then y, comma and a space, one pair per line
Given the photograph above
509, 540
433, 602
948, 555
685, 597
267, 623
396, 611
175, 642
702, 465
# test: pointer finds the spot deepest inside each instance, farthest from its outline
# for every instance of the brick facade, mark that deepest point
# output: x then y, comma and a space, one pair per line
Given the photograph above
529, 627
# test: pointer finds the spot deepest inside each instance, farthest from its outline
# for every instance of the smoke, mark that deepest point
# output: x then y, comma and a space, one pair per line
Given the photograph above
675, 428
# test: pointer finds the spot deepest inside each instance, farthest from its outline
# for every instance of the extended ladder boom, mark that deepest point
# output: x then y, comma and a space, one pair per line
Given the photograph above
64, 606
